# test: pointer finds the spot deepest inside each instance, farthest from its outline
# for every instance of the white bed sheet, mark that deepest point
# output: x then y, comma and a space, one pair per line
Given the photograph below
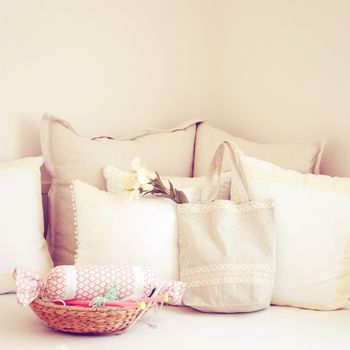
183, 328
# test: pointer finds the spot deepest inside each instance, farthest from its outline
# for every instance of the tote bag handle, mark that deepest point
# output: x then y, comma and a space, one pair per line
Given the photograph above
239, 187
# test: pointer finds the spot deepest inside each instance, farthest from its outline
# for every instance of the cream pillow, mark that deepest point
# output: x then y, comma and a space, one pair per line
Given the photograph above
312, 214
69, 157
21, 222
112, 229
303, 157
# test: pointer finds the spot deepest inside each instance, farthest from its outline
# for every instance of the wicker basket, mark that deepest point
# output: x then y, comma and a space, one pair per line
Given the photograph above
76, 319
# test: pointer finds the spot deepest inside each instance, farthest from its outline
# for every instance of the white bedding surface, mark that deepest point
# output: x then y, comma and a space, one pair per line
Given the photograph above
183, 328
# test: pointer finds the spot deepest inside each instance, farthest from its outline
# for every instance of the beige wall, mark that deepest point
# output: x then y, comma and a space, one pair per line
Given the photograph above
284, 72
271, 71
107, 66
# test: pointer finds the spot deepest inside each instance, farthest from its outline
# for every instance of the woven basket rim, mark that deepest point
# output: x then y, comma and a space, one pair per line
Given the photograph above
52, 305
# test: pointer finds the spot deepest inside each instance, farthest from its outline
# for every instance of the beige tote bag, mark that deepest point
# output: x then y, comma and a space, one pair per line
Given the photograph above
227, 247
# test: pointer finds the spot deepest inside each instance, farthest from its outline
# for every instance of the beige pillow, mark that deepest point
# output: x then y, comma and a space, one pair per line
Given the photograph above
69, 156
303, 157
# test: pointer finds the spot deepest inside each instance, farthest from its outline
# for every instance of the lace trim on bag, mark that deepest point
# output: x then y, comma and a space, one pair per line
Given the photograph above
226, 268
253, 279
224, 204
208, 275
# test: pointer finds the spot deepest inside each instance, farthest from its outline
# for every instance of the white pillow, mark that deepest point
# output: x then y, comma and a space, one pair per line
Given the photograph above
21, 221
112, 229
312, 215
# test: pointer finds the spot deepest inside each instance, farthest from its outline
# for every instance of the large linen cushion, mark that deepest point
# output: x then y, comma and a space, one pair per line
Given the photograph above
313, 234
22, 242
303, 157
69, 156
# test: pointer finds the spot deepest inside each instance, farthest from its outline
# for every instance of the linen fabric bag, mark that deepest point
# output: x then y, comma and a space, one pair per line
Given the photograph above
227, 247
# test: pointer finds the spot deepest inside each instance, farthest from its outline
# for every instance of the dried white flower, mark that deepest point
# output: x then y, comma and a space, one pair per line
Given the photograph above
139, 178
140, 182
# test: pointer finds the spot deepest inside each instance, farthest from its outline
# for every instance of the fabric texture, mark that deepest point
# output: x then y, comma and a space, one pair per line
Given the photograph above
313, 234
21, 225
227, 248
69, 156
303, 157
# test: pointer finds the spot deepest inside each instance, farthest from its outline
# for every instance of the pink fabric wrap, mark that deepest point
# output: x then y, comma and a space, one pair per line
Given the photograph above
175, 291
87, 282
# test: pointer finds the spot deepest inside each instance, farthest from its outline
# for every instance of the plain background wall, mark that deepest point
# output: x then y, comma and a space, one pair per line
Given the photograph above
270, 71
284, 73
107, 66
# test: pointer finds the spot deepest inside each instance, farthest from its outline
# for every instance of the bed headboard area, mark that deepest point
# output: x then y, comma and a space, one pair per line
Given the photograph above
258, 70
